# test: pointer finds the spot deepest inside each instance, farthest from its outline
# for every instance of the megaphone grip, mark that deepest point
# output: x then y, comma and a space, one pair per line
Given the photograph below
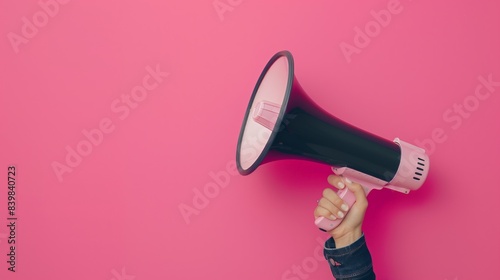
325, 224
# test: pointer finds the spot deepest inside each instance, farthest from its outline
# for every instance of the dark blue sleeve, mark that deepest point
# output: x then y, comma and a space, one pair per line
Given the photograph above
353, 262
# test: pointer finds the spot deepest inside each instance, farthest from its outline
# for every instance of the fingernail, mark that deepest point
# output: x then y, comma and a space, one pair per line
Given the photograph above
344, 207
333, 218
340, 185
340, 214
347, 180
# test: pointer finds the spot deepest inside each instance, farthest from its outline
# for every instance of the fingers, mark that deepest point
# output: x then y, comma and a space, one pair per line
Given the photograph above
341, 182
358, 191
320, 211
336, 181
331, 206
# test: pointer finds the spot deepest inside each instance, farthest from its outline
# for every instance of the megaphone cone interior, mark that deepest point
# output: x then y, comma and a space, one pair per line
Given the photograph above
265, 112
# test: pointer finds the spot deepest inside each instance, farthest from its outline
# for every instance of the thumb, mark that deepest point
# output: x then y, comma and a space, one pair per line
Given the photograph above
358, 191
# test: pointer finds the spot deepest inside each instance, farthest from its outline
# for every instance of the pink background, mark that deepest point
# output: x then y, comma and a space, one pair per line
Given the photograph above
116, 214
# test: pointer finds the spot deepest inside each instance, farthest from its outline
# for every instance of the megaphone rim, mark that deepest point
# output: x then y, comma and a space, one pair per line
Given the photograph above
281, 114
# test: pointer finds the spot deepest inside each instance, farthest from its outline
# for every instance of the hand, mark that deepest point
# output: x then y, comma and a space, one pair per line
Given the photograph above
331, 206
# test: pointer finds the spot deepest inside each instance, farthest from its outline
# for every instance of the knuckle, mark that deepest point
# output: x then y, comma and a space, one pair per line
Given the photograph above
363, 203
316, 212
332, 179
356, 186
337, 201
321, 212
326, 192
321, 201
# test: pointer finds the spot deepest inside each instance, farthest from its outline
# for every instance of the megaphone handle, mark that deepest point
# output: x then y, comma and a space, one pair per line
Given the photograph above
325, 224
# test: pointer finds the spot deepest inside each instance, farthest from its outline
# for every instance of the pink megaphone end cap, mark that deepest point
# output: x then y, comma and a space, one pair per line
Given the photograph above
413, 168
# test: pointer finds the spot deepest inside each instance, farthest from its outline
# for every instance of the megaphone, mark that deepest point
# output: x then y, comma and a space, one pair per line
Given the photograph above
282, 122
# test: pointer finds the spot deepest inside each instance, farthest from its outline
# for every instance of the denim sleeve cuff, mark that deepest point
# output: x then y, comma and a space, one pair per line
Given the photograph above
353, 262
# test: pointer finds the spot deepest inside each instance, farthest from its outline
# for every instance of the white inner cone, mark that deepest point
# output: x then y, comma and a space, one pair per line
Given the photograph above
270, 95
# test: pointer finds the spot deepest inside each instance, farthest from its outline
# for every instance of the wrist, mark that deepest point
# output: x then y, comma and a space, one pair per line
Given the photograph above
346, 239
